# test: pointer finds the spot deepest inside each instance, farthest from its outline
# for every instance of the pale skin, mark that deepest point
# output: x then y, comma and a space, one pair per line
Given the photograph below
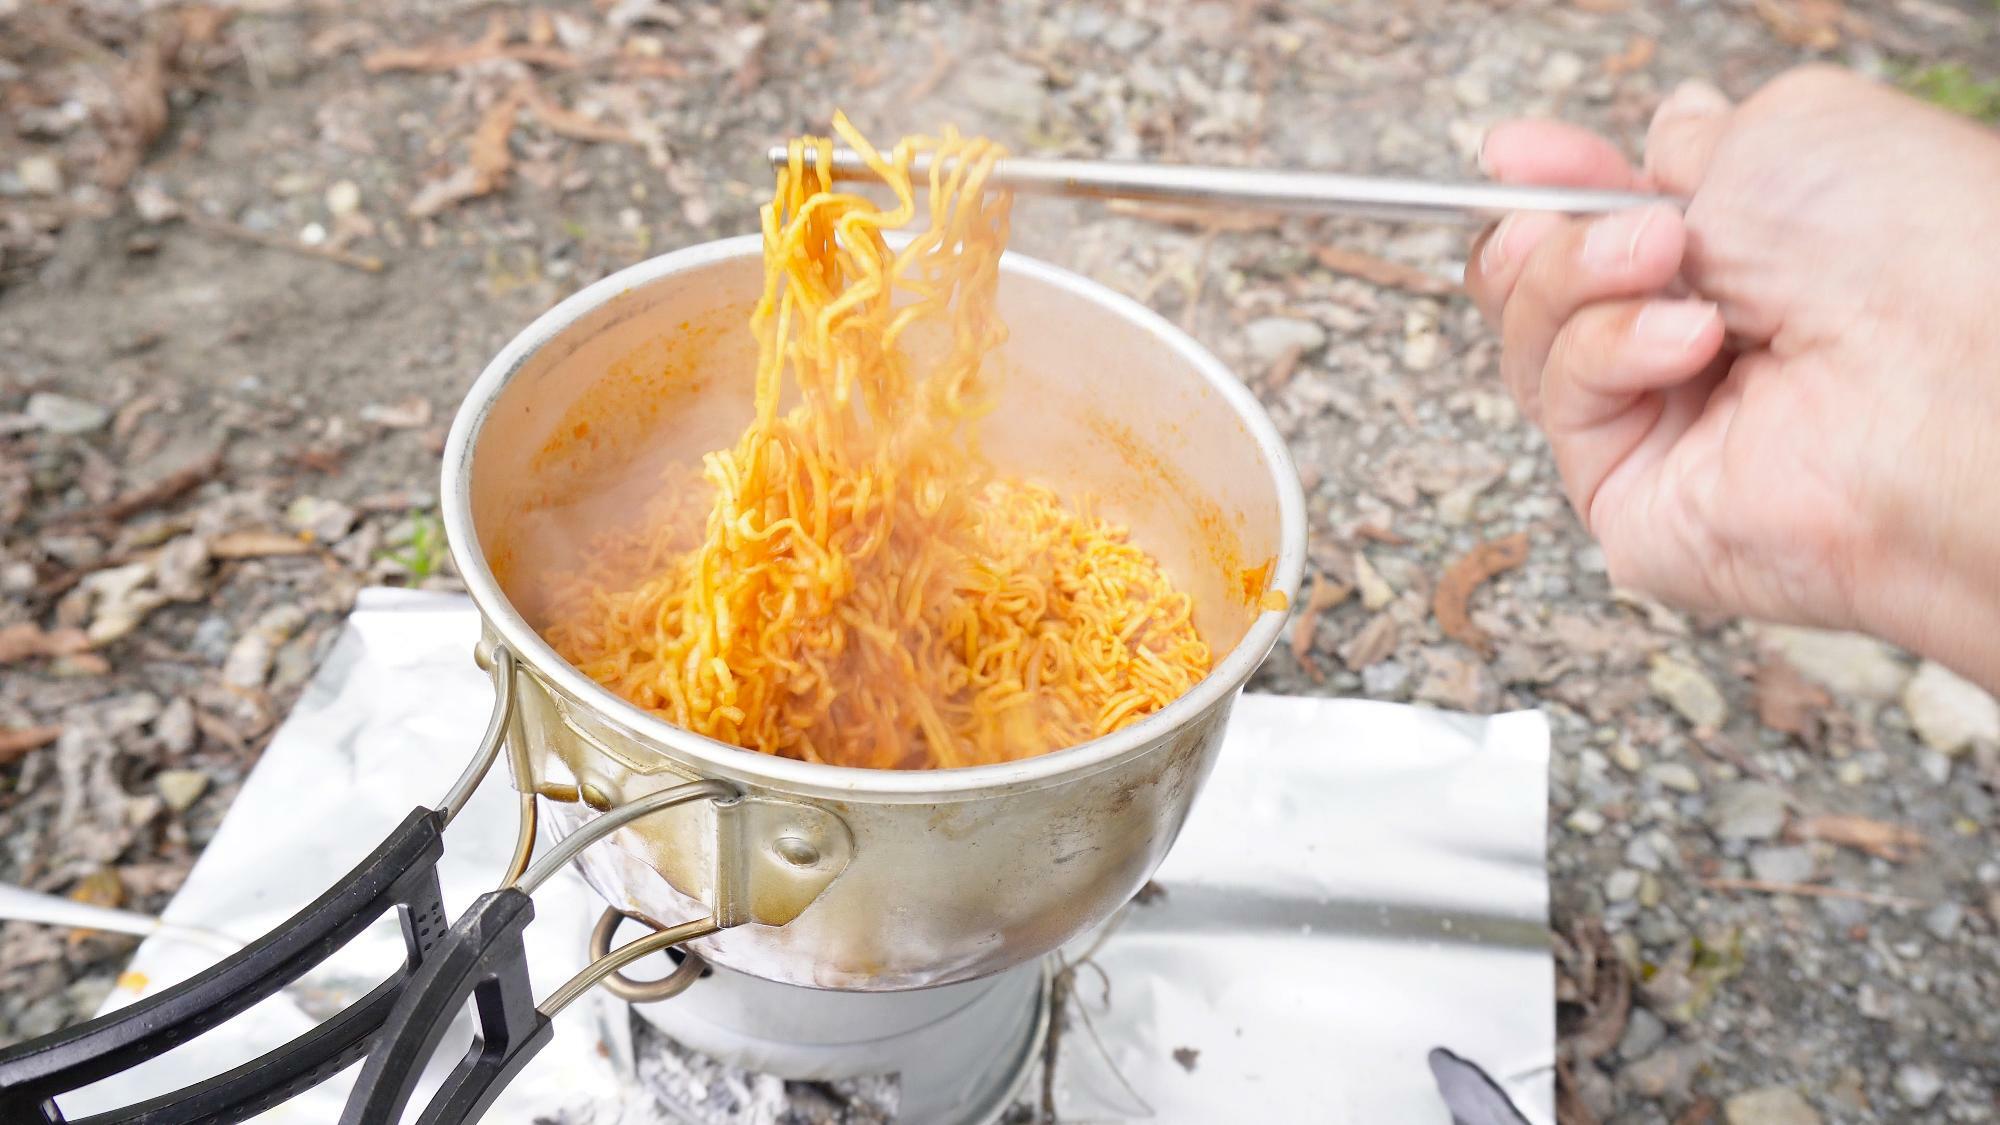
1785, 403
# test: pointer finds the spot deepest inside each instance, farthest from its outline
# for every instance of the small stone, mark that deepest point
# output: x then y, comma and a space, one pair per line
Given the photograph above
1689, 691
1664, 1074
1375, 591
1644, 852
1782, 865
153, 204
1950, 713
1649, 897
1770, 1105
1622, 885
1850, 773
1848, 664
1677, 777
325, 520
343, 197
1560, 72
61, 414
180, 789
1942, 920
1844, 911
1918, 1086
1626, 756
1935, 767
1385, 678
175, 727
40, 175
1874, 1003
1273, 337
1747, 810
1586, 822
1643, 1032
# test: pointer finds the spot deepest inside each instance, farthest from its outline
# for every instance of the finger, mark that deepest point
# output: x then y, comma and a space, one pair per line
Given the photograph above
1597, 400
1683, 136
1494, 265
1550, 152
1627, 254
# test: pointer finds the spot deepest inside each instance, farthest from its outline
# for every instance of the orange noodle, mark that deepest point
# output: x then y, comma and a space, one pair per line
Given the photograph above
863, 587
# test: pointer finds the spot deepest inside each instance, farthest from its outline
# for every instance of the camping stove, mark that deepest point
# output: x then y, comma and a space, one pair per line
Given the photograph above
959, 1053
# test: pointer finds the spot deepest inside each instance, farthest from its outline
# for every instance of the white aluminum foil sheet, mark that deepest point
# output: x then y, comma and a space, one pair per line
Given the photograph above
1358, 884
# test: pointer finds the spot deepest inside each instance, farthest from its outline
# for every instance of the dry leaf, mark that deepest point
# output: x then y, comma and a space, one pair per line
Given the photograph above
1878, 838
1595, 993
1601, 7
15, 744
27, 641
1787, 701
1381, 271
256, 545
1325, 595
1813, 24
1376, 640
1635, 56
490, 161
1461, 578
413, 413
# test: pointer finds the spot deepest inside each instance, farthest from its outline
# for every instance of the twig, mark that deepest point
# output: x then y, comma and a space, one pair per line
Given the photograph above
151, 496
227, 229
1814, 890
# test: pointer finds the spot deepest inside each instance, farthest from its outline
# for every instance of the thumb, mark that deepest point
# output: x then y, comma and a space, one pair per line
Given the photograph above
1683, 136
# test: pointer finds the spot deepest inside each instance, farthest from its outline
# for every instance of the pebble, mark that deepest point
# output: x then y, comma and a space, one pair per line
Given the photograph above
1918, 1086
1848, 664
1644, 852
1747, 810
1271, 337
1626, 756
1689, 691
1677, 777
61, 414
1770, 1105
1643, 1032
343, 197
326, 520
1874, 1003
1622, 885
175, 727
1935, 767
1942, 920
180, 789
1664, 1074
1385, 678
40, 175
1560, 72
1950, 713
1782, 865
1586, 822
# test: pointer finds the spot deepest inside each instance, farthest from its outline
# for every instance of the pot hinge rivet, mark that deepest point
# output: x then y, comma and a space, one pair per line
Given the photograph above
797, 852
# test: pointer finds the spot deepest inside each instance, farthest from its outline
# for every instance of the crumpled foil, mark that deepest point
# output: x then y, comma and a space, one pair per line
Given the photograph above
1359, 883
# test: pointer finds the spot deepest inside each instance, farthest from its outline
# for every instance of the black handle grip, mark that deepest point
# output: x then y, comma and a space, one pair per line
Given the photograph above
482, 958
401, 873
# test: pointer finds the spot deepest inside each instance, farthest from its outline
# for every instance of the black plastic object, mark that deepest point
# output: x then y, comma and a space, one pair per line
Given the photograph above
482, 958
401, 873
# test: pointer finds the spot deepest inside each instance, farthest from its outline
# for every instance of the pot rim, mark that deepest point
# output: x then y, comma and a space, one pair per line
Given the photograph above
720, 759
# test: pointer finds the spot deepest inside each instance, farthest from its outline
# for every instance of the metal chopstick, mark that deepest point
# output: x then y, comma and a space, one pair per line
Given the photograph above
1326, 193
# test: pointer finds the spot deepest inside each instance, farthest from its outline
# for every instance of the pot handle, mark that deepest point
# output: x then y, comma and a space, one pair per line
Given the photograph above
482, 959
401, 873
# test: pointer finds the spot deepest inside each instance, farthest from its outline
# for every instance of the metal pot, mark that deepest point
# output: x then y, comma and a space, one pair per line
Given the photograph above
856, 879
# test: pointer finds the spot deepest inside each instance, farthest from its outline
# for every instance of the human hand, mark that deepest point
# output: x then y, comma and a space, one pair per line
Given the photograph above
1786, 403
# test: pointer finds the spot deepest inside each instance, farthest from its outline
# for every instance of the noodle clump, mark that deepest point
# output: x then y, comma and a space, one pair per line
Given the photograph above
862, 587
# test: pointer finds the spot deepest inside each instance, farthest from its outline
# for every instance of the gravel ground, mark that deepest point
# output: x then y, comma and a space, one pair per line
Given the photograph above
250, 256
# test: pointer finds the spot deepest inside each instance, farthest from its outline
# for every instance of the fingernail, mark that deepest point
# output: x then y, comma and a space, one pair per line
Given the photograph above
1495, 255
1485, 167
1612, 243
1695, 98
1672, 324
